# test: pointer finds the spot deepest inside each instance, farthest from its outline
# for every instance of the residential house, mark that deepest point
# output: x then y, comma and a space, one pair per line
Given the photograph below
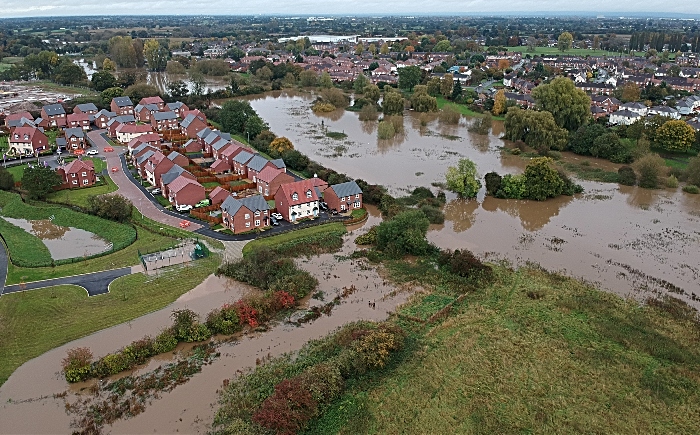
78, 173
665, 111
230, 152
22, 122
75, 138
192, 146
521, 100
27, 141
240, 163
156, 101
213, 137
605, 102
178, 159
246, 214
257, 164
101, 118
170, 176
624, 117
218, 195
126, 132
53, 115
184, 190
343, 197
148, 138
61, 143
178, 107
157, 165
16, 117
192, 125
122, 106
88, 108
598, 112
115, 122
596, 88
79, 120
220, 166
162, 121
202, 134
144, 113
141, 159
218, 147
635, 107
270, 179
297, 200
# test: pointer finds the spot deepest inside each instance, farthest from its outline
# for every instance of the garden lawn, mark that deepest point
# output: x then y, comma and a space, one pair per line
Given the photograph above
533, 353
72, 314
461, 108
292, 237
80, 196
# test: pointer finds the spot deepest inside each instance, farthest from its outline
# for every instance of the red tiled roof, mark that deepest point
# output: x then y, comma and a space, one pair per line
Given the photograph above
181, 182
300, 188
150, 100
220, 165
79, 165
269, 173
132, 128
218, 192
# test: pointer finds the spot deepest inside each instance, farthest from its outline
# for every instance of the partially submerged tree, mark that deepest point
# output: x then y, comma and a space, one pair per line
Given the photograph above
463, 179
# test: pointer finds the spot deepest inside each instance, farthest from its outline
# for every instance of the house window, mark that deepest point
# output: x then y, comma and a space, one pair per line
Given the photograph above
342, 206
85, 181
357, 196
357, 204
342, 199
84, 174
75, 181
247, 224
257, 213
295, 197
257, 223
72, 175
247, 216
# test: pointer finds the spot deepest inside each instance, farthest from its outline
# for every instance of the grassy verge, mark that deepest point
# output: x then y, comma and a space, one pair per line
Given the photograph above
533, 352
80, 196
24, 247
177, 233
49, 86
24, 316
146, 241
287, 241
461, 108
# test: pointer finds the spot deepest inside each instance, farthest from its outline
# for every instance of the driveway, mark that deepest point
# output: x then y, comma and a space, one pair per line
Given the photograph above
94, 283
142, 200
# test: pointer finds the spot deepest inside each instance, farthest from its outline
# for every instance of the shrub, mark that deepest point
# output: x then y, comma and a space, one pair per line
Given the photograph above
650, 168
368, 238
187, 328
298, 284
369, 112
404, 234
224, 320
627, 176
164, 342
322, 107
465, 264
140, 350
482, 125
493, 183
512, 187
246, 314
77, 364
324, 381
570, 188
374, 349
385, 130
288, 409
434, 214
672, 182
542, 180
114, 207
449, 115
692, 171
691, 188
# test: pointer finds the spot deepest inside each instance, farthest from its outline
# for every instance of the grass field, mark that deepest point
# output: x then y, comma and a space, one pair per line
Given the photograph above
80, 196
532, 353
72, 314
291, 236
461, 108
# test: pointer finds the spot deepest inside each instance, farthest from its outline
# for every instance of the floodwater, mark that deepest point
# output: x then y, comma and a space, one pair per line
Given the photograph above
190, 408
63, 242
629, 240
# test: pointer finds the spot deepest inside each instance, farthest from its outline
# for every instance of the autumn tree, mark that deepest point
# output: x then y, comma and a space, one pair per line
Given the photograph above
359, 49
565, 41
409, 76
463, 179
446, 85
421, 101
108, 65
675, 136
569, 106
499, 102
384, 49
156, 55
281, 145
371, 93
122, 51
630, 92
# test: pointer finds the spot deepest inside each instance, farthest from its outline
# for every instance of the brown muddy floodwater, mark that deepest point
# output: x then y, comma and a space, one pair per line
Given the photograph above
63, 242
190, 407
629, 240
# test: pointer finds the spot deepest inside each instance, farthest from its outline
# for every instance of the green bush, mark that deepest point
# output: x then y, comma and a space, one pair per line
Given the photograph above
691, 188
187, 328
493, 183
627, 176
512, 187
434, 214
672, 182
164, 342
299, 284
368, 238
77, 365
224, 320
404, 234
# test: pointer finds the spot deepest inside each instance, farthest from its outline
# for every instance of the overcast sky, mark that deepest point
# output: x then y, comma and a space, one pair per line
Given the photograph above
25, 8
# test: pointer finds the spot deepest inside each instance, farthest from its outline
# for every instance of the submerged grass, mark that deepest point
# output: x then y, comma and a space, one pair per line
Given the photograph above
590, 173
533, 352
71, 314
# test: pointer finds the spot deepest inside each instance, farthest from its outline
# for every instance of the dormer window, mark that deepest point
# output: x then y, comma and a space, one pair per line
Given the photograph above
308, 194
26, 137
295, 197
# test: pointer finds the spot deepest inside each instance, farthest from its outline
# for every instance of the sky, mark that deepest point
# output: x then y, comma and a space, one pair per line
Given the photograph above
28, 8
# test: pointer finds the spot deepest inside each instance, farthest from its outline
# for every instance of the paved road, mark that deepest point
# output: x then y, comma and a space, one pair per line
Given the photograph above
94, 283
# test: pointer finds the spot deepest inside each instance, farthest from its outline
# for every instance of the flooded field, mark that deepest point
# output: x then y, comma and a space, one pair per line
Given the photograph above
63, 242
190, 407
629, 240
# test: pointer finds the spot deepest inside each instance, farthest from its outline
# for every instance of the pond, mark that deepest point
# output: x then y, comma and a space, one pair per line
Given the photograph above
63, 242
632, 241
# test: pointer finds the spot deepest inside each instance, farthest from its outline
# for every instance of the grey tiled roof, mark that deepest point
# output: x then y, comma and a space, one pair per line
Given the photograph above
346, 189
231, 205
257, 163
255, 203
87, 107
174, 106
54, 109
147, 155
172, 174
204, 133
243, 157
123, 101
162, 116
220, 144
173, 155
279, 163
75, 131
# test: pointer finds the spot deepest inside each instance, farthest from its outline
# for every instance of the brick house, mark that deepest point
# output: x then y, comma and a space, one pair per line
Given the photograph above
212, 138
75, 138
270, 179
195, 112
156, 101
218, 195
178, 159
16, 117
343, 197
220, 166
192, 146
157, 165
170, 176
53, 115
164, 121
142, 159
218, 147
122, 106
240, 162
192, 125
144, 113
148, 138
126, 132
115, 122
609, 104
178, 107
297, 200
229, 153
246, 214
78, 173
88, 108
27, 141
203, 134
101, 118
21, 122
256, 165
80, 120
184, 190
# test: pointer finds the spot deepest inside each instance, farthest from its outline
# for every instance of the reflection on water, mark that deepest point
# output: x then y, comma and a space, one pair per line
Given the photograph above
63, 242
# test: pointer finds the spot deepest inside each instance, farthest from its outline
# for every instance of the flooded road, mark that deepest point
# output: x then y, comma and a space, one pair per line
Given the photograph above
629, 240
190, 407
63, 242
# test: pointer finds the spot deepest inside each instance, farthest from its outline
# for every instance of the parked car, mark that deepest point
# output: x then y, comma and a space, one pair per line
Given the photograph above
182, 208
274, 221
156, 191
203, 203
276, 216
92, 152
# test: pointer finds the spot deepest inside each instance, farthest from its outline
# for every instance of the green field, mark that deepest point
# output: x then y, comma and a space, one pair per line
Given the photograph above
292, 236
461, 108
72, 314
532, 353
80, 196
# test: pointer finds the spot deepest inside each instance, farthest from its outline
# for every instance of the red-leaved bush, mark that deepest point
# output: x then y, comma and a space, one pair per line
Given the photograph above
288, 409
283, 300
247, 314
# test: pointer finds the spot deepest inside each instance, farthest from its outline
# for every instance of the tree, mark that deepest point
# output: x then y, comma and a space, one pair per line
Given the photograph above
123, 52
102, 80
536, 129
239, 117
156, 55
421, 101
442, 46
570, 106
371, 93
68, 73
404, 234
564, 42
531, 44
108, 94
7, 181
308, 78
675, 136
108, 65
630, 92
463, 179
325, 81
140, 90
281, 145
499, 102
393, 103
650, 168
582, 141
542, 180
360, 83
40, 181
384, 49
295, 160
177, 89
446, 85
114, 207
359, 49
409, 76
456, 90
